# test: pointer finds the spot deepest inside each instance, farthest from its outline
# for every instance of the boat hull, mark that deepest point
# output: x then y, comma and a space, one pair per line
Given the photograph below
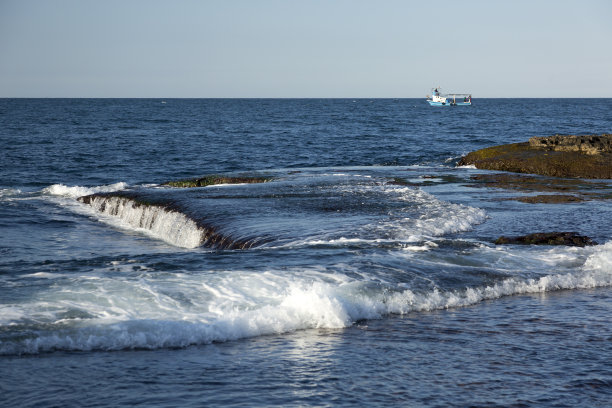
432, 103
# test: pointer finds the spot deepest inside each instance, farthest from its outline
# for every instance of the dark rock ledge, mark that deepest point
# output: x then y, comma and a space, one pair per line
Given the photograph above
587, 156
548, 238
216, 179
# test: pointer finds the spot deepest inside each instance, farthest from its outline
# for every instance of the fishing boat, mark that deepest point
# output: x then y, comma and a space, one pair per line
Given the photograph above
437, 98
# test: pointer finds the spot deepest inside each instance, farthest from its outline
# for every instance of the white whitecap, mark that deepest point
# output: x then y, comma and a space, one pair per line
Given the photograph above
434, 218
79, 191
9, 192
147, 313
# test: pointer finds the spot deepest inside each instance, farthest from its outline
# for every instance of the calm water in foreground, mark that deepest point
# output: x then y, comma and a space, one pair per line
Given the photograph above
359, 291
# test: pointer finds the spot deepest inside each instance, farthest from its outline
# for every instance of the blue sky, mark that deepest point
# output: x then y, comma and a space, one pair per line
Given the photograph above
307, 48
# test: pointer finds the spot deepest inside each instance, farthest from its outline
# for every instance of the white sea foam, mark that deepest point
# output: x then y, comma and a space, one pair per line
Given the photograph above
196, 309
158, 222
171, 226
43, 275
79, 191
341, 241
434, 218
601, 260
458, 218
426, 246
452, 158
416, 217
8, 192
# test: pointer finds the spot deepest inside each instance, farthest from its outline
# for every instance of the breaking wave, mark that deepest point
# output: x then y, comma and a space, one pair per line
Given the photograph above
148, 316
79, 191
434, 217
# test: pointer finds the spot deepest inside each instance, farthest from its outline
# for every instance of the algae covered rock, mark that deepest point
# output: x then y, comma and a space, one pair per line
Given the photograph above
217, 179
548, 238
588, 156
589, 144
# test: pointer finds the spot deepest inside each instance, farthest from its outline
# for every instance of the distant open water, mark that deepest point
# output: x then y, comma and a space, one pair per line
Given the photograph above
355, 291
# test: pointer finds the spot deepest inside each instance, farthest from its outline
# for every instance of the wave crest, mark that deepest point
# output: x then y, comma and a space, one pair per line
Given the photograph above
246, 306
79, 191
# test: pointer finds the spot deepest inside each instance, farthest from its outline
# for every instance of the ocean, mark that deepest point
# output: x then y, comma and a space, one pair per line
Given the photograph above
370, 278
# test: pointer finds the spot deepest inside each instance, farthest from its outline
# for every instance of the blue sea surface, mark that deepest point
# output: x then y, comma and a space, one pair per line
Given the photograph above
363, 273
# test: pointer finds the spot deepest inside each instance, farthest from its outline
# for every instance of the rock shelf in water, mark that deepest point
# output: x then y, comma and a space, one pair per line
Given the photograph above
548, 238
587, 156
558, 190
216, 179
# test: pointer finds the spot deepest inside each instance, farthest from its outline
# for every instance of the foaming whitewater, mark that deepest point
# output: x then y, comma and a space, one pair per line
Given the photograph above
160, 221
110, 314
440, 217
396, 216
426, 216
79, 191
368, 212
596, 272
8, 192
155, 220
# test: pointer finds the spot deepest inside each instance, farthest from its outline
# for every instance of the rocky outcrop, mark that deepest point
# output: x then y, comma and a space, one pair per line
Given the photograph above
216, 179
548, 238
557, 156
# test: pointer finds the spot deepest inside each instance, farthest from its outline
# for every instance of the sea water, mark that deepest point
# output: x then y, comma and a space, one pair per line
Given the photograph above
370, 277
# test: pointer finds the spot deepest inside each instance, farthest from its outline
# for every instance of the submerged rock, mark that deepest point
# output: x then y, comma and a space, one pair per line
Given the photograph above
548, 238
559, 190
588, 156
528, 183
550, 199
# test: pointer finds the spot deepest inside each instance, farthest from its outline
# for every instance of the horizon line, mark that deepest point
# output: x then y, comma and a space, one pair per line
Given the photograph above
288, 97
